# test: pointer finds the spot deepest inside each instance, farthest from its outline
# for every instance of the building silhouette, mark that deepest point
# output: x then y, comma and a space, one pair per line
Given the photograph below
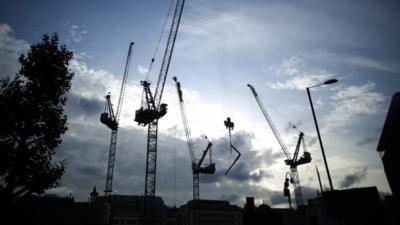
389, 149
354, 206
209, 212
263, 214
129, 209
389, 145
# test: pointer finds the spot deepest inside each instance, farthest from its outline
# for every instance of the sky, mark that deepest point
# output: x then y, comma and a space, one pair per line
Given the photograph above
280, 47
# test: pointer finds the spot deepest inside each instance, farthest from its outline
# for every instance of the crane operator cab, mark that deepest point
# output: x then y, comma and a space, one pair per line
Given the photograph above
145, 116
305, 158
107, 117
108, 121
207, 169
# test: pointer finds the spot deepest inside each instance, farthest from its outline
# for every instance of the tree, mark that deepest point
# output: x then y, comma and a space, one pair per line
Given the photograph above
32, 120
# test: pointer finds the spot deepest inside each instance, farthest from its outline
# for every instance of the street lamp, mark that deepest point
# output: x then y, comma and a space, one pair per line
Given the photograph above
331, 81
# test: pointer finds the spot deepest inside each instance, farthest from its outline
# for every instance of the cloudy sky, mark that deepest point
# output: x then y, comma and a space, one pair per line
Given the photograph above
280, 47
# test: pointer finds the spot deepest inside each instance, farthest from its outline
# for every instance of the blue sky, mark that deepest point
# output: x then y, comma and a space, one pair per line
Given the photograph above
280, 47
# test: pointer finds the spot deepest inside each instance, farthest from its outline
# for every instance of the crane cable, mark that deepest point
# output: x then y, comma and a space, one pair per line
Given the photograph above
164, 27
292, 125
195, 118
222, 62
224, 77
159, 40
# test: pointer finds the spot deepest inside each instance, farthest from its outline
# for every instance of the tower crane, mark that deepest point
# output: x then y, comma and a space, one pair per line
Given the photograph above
292, 162
111, 120
152, 110
197, 167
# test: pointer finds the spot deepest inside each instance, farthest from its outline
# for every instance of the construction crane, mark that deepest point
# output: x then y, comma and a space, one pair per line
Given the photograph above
111, 120
197, 167
292, 162
152, 110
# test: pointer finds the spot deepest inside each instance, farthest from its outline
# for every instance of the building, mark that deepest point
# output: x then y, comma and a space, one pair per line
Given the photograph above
389, 149
52, 209
389, 145
354, 206
129, 209
209, 212
263, 214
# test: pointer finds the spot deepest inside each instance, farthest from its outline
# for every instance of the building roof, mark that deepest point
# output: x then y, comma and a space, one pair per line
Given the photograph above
132, 201
210, 205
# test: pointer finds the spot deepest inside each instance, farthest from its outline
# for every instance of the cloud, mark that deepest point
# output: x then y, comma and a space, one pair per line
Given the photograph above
91, 83
312, 141
293, 125
86, 144
354, 101
299, 77
367, 140
288, 67
232, 197
85, 147
82, 56
260, 174
10, 49
248, 168
142, 70
355, 178
371, 137
84, 107
77, 33
370, 64
277, 198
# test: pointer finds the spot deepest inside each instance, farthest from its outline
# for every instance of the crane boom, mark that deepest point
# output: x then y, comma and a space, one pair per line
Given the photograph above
168, 52
112, 121
124, 79
185, 121
271, 124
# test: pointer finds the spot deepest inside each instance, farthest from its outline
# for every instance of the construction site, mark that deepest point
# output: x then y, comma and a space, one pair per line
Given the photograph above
233, 163
151, 210
152, 110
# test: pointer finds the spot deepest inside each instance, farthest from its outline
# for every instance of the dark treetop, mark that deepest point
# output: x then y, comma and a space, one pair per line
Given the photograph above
32, 120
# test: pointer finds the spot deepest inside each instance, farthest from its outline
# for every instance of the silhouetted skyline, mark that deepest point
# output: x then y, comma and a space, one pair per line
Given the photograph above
279, 47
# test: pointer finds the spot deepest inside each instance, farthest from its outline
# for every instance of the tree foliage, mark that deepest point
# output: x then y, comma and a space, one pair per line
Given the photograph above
32, 119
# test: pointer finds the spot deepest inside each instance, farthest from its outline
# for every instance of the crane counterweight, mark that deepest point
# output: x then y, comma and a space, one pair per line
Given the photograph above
108, 117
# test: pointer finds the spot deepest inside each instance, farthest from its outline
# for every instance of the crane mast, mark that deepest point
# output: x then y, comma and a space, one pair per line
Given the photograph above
292, 162
152, 109
196, 166
111, 120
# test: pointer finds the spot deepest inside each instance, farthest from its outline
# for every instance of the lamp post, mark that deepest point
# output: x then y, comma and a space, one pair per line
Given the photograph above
331, 81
